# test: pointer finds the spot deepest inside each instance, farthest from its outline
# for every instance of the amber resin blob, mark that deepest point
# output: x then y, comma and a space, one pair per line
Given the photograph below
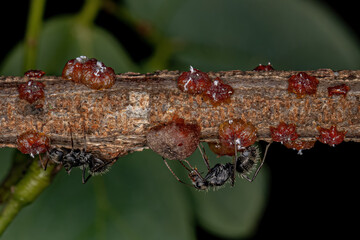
90, 72
238, 132
302, 84
175, 140
33, 142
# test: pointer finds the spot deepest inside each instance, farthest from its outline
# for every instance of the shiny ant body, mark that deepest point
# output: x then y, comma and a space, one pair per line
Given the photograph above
220, 174
71, 158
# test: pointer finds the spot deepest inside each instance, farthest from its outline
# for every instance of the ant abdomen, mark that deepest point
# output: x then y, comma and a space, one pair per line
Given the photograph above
219, 174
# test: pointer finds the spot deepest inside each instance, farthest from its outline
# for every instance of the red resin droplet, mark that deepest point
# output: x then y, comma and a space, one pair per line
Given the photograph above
237, 132
302, 84
299, 145
218, 92
97, 76
221, 150
283, 132
91, 72
34, 73
32, 142
338, 90
174, 140
31, 91
264, 68
331, 136
194, 81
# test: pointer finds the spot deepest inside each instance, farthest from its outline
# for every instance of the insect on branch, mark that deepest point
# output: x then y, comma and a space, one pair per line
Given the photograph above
116, 120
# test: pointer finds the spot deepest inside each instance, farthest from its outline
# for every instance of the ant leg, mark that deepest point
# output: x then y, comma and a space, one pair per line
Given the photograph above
173, 172
84, 138
44, 163
191, 168
84, 180
234, 166
203, 154
261, 164
71, 136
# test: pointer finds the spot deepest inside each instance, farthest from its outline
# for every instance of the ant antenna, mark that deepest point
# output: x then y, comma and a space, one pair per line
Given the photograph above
72, 142
43, 164
203, 154
234, 166
261, 164
177, 178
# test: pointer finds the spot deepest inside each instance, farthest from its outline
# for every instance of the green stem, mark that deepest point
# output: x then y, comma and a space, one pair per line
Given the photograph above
25, 192
33, 29
20, 164
89, 12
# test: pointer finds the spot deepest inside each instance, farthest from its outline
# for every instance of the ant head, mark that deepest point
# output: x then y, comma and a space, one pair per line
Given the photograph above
55, 155
197, 180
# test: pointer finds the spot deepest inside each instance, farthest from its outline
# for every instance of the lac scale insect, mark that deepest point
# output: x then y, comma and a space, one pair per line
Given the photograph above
71, 158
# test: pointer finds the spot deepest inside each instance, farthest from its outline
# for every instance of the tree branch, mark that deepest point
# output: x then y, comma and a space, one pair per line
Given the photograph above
117, 120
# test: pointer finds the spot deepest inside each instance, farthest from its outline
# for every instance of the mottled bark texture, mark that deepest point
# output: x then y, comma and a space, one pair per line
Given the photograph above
115, 121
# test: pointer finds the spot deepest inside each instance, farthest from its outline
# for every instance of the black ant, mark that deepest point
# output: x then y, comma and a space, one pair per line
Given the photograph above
218, 175
71, 158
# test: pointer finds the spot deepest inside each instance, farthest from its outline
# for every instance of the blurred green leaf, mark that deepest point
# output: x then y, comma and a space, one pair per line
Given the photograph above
231, 34
138, 193
62, 39
5, 158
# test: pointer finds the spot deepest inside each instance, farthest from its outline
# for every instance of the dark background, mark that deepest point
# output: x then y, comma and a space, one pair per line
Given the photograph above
311, 194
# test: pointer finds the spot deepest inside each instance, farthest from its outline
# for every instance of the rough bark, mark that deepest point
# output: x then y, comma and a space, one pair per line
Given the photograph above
116, 120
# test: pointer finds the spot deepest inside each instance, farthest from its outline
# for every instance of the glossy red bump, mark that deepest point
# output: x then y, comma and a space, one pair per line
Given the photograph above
91, 72
264, 68
302, 84
331, 135
31, 91
299, 145
194, 81
33, 142
218, 92
175, 140
237, 132
34, 73
338, 90
283, 132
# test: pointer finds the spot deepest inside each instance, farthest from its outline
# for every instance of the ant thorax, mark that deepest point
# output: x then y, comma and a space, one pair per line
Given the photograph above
219, 174
216, 177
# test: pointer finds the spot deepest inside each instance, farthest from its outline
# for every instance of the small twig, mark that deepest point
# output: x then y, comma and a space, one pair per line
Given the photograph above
117, 119
25, 192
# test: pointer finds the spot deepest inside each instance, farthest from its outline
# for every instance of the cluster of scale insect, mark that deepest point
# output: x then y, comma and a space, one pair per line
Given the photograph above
197, 82
72, 158
331, 136
286, 134
31, 91
90, 72
34, 73
339, 90
32, 143
302, 84
264, 68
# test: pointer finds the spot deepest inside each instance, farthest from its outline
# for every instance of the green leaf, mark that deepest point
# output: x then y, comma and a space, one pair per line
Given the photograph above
134, 200
230, 212
62, 39
5, 158
229, 34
